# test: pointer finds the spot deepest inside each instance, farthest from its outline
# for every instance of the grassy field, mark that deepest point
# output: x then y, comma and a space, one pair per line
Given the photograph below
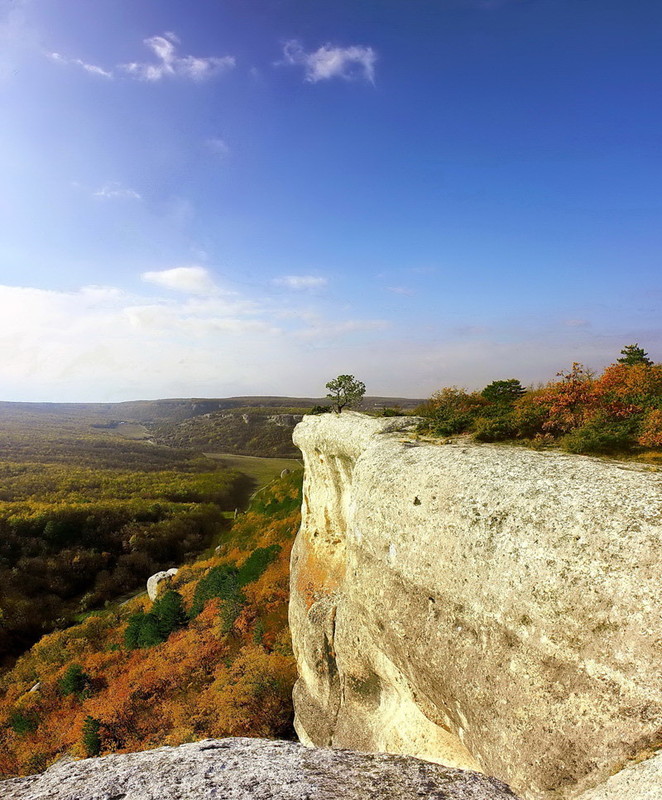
261, 470
132, 430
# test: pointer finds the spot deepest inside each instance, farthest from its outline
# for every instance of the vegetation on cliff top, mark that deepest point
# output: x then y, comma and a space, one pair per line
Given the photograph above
218, 663
617, 412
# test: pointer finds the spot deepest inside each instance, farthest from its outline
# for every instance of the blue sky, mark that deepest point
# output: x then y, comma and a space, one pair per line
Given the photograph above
226, 197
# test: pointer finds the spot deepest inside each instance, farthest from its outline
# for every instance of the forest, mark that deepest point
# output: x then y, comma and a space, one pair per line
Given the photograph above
616, 413
211, 657
87, 515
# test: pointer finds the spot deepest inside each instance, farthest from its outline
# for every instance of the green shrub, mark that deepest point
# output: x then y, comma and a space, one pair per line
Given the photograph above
142, 631
170, 613
132, 631
222, 582
494, 429
447, 423
92, 736
230, 610
149, 633
146, 630
602, 436
75, 681
452, 410
225, 582
256, 563
266, 503
22, 722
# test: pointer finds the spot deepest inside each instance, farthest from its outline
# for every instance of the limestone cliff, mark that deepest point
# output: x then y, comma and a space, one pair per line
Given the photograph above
482, 606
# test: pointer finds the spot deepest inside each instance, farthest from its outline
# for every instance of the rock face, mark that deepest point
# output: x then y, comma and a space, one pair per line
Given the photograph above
482, 606
252, 769
154, 582
285, 420
641, 781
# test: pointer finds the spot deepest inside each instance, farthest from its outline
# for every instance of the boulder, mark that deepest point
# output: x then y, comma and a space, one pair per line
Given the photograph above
156, 581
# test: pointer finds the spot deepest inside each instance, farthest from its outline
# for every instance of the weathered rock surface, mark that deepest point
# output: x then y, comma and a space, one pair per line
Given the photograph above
155, 582
252, 769
478, 605
642, 781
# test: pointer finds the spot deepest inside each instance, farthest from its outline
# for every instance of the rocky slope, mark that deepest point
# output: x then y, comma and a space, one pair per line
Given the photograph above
252, 769
481, 606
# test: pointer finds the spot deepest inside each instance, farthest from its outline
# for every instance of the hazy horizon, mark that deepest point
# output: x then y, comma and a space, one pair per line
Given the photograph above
221, 199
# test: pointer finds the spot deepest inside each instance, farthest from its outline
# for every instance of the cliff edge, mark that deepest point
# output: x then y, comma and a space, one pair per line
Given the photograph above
482, 606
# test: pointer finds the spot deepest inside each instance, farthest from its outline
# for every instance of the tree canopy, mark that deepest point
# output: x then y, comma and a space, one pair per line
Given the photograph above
505, 391
633, 354
345, 391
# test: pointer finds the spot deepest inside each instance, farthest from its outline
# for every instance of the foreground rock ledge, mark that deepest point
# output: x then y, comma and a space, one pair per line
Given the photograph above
253, 769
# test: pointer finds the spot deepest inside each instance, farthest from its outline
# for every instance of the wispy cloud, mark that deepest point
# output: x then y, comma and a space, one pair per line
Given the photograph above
300, 282
93, 69
104, 343
169, 64
400, 290
356, 62
190, 280
116, 190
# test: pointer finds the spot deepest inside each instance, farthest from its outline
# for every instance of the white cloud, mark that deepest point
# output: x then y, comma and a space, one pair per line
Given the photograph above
116, 190
300, 282
190, 280
349, 63
169, 64
103, 343
93, 69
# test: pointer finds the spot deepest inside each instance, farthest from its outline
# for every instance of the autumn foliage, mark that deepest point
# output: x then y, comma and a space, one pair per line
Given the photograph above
224, 668
619, 411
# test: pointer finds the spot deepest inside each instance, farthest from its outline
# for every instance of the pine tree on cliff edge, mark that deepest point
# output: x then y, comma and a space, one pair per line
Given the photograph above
633, 354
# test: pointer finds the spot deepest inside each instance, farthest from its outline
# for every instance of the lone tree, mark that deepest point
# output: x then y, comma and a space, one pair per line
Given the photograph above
91, 736
633, 354
345, 390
